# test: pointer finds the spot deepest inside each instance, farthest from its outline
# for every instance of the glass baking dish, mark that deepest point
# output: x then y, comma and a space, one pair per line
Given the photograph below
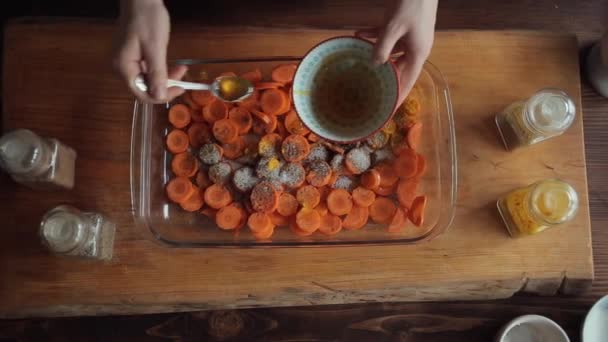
167, 223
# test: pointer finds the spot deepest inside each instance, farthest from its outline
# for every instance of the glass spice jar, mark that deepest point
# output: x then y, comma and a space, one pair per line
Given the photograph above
548, 113
532, 209
37, 162
66, 230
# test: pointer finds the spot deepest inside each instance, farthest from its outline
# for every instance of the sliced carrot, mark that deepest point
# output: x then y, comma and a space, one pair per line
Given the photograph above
209, 212
187, 98
225, 130
271, 126
333, 147
308, 219
265, 118
330, 225
319, 173
321, 208
211, 153
371, 179
199, 134
421, 169
179, 189
388, 175
254, 76
382, 210
252, 101
184, 165
270, 145
202, 97
386, 191
179, 115
202, 179
230, 217
334, 177
293, 175
357, 161
281, 130
217, 196
398, 221
259, 222
284, 73
308, 196
414, 134
378, 140
264, 197
416, 213
406, 164
267, 85
274, 102
242, 118
294, 125
398, 143
278, 219
214, 111
339, 202
194, 202
363, 197
259, 127
288, 204
313, 138
295, 148
293, 226
356, 218
412, 106
235, 149
177, 141
406, 191
264, 235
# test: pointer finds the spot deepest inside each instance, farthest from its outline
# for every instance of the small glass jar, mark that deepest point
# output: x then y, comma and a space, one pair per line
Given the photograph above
532, 209
548, 113
37, 162
66, 230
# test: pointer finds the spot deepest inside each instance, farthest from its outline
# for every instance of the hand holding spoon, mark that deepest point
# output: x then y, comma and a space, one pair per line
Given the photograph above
225, 88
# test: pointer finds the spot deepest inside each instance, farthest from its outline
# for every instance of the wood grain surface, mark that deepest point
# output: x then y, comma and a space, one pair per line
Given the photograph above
470, 321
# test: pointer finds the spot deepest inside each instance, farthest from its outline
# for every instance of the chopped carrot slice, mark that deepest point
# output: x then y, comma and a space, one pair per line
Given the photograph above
308, 196
388, 175
308, 219
179, 189
199, 134
284, 73
386, 191
270, 145
356, 219
194, 202
274, 102
231, 217
293, 226
321, 208
421, 169
294, 125
339, 202
252, 101
382, 210
313, 138
295, 148
209, 212
265, 118
264, 197
242, 118
363, 197
179, 115
398, 221
187, 98
288, 204
267, 85
319, 173
357, 161
234, 150
414, 134
202, 179
225, 130
184, 165
406, 191
281, 130
259, 222
416, 213
214, 111
330, 225
202, 97
177, 141
371, 179
271, 126
406, 164
217, 196
265, 235
278, 219
254, 76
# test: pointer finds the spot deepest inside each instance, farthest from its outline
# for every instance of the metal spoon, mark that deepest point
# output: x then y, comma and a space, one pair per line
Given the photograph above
226, 88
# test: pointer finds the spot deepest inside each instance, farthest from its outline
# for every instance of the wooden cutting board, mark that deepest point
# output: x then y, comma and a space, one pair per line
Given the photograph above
58, 82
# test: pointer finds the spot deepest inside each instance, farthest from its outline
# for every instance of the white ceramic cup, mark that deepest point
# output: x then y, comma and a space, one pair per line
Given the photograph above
532, 328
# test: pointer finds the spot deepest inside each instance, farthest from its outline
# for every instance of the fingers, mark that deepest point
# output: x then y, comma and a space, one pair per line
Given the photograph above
176, 73
409, 66
386, 42
367, 33
155, 55
127, 64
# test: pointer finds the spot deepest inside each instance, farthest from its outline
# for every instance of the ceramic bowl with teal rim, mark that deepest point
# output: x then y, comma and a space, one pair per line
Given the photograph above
340, 95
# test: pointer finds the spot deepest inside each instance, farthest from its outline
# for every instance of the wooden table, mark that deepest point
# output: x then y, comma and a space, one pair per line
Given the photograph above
450, 321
